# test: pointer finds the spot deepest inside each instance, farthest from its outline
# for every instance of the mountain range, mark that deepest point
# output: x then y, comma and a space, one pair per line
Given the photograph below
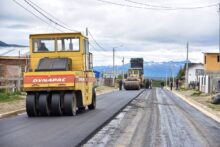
3, 44
153, 70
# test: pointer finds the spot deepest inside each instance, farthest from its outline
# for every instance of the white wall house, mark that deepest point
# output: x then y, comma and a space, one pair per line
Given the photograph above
209, 83
194, 70
204, 83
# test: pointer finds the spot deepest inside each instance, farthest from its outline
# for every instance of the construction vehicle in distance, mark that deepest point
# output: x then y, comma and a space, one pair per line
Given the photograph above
60, 79
135, 77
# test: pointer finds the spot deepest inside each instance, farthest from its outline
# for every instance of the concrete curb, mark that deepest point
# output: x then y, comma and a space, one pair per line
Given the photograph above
198, 106
12, 113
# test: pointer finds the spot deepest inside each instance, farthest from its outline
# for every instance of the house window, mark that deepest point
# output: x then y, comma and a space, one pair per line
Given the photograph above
218, 58
205, 60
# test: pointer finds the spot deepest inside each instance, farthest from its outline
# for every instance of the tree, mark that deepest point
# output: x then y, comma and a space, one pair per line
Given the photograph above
181, 73
120, 77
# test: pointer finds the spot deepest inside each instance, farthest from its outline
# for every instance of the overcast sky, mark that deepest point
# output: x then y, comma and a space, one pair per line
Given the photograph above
155, 35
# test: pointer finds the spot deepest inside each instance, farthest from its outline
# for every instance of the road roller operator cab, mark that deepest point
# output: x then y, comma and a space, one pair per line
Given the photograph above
60, 79
134, 72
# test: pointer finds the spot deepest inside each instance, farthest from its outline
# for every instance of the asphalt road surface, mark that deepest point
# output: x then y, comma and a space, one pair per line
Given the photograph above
158, 118
183, 125
21, 131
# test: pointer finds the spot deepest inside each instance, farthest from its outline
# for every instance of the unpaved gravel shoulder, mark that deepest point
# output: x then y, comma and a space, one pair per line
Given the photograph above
13, 105
203, 101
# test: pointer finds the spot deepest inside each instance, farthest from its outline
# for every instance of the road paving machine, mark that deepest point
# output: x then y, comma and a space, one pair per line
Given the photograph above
60, 79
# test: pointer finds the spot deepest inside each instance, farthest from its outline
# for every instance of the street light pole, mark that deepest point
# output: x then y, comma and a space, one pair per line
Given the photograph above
113, 68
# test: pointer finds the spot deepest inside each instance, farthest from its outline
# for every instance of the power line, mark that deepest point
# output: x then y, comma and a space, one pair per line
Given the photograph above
145, 4
100, 51
106, 55
123, 5
34, 14
56, 23
96, 42
153, 7
172, 8
102, 48
45, 16
33, 5
49, 14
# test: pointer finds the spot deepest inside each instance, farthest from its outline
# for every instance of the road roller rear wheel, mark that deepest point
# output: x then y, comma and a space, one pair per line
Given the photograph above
44, 107
31, 105
93, 105
56, 104
69, 104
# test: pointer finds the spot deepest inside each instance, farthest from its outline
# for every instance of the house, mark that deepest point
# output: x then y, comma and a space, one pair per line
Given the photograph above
210, 80
10, 66
211, 63
13, 62
194, 70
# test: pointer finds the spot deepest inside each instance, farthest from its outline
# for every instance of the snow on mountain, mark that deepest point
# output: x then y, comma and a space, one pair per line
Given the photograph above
155, 70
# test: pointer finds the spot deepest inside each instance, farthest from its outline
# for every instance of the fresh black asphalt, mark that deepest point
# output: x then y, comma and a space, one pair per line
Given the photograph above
22, 131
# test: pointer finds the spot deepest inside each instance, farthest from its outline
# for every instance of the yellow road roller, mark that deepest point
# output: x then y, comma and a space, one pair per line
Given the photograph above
60, 79
135, 77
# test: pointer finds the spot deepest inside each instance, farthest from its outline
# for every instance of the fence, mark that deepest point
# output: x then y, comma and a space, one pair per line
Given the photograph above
11, 84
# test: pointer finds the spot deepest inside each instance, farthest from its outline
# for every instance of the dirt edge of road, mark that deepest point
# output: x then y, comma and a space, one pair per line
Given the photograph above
202, 108
100, 90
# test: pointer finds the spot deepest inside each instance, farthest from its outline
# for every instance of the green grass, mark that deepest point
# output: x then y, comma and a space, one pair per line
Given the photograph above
157, 83
9, 97
196, 93
182, 89
214, 106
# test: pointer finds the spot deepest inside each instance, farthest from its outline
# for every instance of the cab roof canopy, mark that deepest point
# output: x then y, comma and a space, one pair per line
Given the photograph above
57, 34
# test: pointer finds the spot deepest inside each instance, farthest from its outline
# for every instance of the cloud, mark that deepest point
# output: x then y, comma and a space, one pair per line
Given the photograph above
18, 26
155, 35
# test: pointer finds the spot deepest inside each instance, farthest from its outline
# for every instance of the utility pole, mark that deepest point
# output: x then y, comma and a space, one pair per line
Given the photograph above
113, 69
187, 65
166, 79
114, 62
219, 34
87, 32
172, 75
123, 61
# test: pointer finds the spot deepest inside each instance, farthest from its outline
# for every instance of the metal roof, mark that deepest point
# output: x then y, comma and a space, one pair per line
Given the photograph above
14, 51
210, 52
194, 64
